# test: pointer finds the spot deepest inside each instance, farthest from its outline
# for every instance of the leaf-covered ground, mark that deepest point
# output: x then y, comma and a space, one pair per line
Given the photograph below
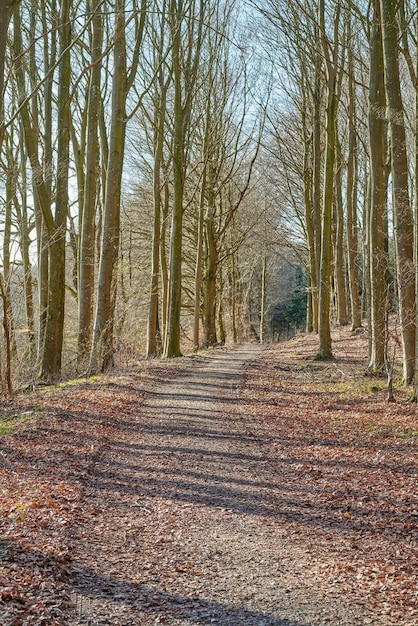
331, 478
350, 459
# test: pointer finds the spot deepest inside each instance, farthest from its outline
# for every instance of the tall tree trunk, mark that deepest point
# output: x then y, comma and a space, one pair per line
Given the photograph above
310, 221
87, 243
101, 357
377, 260
263, 298
154, 343
210, 338
54, 330
102, 351
324, 317
7, 7
154, 337
352, 199
317, 159
186, 50
402, 213
7, 235
331, 61
172, 335
24, 244
163, 256
199, 262
339, 273
415, 392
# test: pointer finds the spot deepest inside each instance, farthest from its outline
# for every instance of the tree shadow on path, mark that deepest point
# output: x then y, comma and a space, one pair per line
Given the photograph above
92, 590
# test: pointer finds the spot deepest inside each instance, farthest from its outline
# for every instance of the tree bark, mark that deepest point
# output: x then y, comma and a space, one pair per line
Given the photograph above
86, 263
54, 329
7, 8
185, 72
101, 357
331, 62
402, 213
340, 273
352, 199
377, 234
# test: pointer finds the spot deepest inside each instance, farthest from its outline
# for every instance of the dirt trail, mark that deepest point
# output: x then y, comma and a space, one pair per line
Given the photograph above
183, 526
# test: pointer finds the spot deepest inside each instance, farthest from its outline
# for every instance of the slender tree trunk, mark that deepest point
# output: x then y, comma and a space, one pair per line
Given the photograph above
210, 338
324, 329
153, 328
199, 263
263, 299
324, 326
186, 48
233, 298
86, 263
101, 357
154, 337
54, 330
7, 235
22, 215
7, 341
377, 260
352, 199
163, 258
317, 224
310, 225
220, 314
41, 173
339, 274
172, 336
402, 213
415, 392
7, 7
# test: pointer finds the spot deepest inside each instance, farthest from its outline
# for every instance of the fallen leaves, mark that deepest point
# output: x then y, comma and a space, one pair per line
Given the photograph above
352, 459
344, 461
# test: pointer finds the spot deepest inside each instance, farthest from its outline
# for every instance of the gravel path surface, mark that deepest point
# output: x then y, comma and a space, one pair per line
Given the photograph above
181, 523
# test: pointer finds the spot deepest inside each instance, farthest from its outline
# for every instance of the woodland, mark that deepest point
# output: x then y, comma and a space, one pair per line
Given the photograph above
233, 183
179, 174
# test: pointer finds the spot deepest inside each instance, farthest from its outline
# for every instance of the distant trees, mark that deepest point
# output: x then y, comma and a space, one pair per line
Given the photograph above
345, 77
77, 76
305, 149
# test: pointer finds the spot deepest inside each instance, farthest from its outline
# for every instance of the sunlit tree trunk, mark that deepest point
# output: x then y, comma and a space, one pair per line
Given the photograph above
163, 255
7, 7
211, 267
11, 189
415, 392
339, 264
331, 62
23, 225
352, 198
316, 191
199, 259
377, 235
172, 332
41, 172
185, 62
101, 357
87, 240
263, 299
102, 350
54, 330
154, 334
402, 213
154, 342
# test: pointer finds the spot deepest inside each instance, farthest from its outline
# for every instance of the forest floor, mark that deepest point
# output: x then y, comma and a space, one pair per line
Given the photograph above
241, 487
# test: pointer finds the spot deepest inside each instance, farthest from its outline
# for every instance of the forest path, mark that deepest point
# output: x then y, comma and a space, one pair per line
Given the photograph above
187, 523
177, 535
